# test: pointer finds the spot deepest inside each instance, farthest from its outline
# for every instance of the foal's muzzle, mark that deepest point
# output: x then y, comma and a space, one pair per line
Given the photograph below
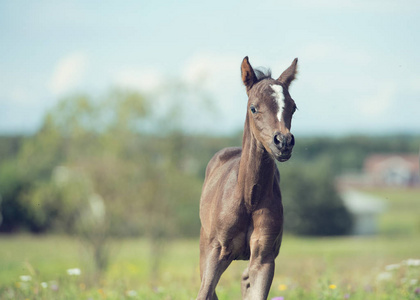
282, 146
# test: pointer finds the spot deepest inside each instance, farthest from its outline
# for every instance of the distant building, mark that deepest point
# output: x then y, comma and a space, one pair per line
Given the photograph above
379, 170
364, 209
384, 170
392, 170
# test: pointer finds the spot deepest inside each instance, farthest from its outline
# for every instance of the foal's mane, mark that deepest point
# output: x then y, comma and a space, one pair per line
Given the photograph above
262, 73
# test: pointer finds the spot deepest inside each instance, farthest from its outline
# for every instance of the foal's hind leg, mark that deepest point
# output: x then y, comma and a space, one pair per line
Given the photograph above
214, 259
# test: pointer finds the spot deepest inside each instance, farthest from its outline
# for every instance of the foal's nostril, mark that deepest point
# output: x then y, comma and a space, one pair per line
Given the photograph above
277, 139
284, 141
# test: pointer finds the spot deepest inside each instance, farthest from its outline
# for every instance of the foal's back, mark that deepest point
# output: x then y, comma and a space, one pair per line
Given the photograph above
225, 158
219, 184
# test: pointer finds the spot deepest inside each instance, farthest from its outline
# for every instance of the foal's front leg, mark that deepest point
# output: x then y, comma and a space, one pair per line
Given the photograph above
214, 260
261, 272
261, 264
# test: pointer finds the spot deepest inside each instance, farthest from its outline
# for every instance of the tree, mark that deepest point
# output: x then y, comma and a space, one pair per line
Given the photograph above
311, 203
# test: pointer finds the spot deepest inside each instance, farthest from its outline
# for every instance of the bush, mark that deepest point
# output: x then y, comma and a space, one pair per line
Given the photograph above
312, 205
13, 214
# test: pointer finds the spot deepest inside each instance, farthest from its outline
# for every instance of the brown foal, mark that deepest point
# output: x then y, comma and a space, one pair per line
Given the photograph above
241, 210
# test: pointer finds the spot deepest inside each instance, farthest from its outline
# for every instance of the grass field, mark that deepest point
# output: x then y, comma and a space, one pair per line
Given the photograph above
386, 266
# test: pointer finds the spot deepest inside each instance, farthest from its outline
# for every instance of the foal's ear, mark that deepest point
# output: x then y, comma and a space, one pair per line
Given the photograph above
248, 74
289, 74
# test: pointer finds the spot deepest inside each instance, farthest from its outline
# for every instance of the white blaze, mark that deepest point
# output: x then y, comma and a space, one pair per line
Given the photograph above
279, 98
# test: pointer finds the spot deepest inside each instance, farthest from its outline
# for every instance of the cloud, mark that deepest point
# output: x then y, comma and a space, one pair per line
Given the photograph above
330, 52
147, 79
212, 71
68, 73
218, 77
203, 90
377, 105
19, 95
372, 6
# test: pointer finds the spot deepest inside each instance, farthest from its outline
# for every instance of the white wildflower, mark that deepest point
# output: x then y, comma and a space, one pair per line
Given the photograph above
74, 272
384, 276
25, 278
412, 262
392, 267
44, 285
413, 281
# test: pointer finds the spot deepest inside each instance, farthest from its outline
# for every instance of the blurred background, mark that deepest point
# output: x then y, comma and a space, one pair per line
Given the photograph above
109, 113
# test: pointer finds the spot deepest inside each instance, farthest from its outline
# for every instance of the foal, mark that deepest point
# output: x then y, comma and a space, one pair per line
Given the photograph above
240, 208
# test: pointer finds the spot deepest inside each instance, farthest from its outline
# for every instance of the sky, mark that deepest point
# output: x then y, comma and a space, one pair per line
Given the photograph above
359, 61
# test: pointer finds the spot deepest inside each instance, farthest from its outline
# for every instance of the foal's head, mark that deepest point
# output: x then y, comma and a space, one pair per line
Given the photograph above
270, 109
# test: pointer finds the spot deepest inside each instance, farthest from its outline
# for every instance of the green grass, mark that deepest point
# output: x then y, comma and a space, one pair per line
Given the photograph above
402, 215
307, 268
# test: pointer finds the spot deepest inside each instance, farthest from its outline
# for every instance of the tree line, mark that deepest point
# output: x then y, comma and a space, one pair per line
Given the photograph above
92, 169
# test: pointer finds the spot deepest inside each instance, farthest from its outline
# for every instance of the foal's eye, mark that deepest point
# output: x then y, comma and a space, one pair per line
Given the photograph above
253, 109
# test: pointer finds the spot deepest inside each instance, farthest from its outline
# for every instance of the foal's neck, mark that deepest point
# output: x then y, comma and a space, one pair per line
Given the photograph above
256, 169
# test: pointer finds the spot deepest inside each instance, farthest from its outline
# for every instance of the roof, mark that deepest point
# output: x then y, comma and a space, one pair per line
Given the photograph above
380, 162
